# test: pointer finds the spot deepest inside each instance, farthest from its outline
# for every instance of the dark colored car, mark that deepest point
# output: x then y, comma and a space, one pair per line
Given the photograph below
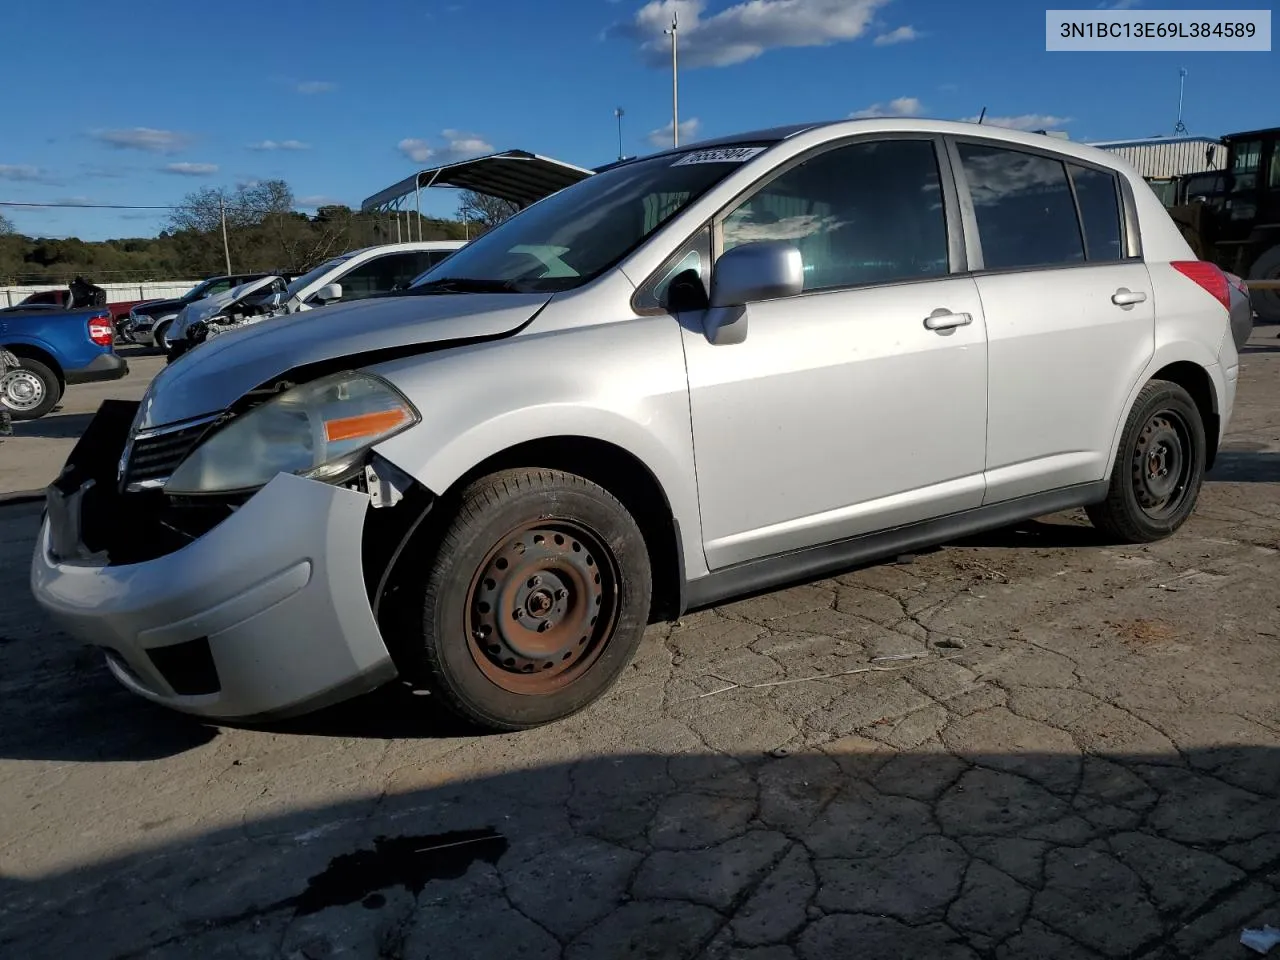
149, 322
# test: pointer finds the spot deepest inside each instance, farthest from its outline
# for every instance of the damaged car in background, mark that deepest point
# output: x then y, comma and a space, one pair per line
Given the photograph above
355, 275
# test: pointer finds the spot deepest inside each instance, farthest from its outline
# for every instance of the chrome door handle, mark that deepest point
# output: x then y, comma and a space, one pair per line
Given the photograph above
1127, 298
942, 319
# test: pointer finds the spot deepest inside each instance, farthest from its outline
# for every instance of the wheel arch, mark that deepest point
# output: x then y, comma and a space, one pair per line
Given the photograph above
33, 351
624, 475
1196, 372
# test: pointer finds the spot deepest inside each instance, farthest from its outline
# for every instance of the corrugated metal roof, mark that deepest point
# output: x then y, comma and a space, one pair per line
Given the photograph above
1167, 156
515, 175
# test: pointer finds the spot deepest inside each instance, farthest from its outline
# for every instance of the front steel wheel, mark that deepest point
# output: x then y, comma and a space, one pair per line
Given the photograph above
537, 598
1159, 467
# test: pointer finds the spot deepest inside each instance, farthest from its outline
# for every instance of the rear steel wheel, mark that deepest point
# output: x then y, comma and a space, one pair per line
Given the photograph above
1159, 467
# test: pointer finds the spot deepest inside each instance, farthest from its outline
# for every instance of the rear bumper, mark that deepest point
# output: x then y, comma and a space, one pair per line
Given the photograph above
106, 366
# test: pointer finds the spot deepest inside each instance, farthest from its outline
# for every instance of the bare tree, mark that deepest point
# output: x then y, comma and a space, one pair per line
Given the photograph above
6, 225
249, 205
484, 210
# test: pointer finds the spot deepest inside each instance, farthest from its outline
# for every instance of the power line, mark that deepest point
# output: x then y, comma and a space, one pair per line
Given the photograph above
91, 206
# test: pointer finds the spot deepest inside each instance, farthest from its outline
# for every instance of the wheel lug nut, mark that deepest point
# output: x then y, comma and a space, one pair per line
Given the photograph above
562, 594
534, 581
517, 613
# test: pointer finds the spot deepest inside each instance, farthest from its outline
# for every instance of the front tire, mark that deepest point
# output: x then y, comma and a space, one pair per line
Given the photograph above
536, 600
1159, 467
30, 391
161, 336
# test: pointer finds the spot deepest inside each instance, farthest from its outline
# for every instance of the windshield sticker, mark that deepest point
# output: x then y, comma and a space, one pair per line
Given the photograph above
721, 155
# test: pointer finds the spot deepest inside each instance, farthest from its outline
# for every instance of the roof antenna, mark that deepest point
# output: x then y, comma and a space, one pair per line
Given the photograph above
1180, 127
982, 114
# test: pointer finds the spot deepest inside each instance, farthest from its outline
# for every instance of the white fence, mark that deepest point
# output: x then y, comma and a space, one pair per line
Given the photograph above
116, 292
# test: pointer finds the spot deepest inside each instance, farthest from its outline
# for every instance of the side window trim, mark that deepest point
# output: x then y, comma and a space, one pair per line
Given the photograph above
1130, 235
1075, 203
959, 242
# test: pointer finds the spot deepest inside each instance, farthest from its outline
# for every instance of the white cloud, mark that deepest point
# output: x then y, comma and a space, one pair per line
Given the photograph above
279, 145
899, 107
900, 35
1024, 121
143, 138
416, 149
21, 171
186, 169
458, 145
744, 30
314, 200
688, 130
315, 86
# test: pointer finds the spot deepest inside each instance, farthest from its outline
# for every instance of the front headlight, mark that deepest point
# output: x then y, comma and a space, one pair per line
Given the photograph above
318, 430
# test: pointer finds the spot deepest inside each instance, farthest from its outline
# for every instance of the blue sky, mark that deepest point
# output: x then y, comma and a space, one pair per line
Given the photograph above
154, 99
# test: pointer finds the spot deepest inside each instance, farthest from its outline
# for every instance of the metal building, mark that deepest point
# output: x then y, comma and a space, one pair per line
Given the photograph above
1160, 157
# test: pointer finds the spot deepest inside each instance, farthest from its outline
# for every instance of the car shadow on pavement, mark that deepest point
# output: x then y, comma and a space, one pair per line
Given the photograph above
850, 850
68, 426
1246, 466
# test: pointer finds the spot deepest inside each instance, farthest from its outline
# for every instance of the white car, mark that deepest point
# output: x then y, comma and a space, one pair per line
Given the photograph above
697, 375
351, 276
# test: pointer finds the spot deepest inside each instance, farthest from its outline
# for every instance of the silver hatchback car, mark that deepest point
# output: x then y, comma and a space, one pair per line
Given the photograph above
695, 375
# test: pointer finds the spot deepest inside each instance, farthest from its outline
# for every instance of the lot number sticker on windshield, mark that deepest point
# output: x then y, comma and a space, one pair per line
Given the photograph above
722, 155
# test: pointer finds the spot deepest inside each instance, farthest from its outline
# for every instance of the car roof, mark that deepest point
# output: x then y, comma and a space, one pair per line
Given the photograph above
407, 245
892, 125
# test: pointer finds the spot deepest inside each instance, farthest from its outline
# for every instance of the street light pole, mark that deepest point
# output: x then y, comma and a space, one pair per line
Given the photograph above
222, 209
675, 89
617, 112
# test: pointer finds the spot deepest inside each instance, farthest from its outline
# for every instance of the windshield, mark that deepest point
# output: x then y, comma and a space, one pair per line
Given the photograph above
196, 292
572, 236
302, 282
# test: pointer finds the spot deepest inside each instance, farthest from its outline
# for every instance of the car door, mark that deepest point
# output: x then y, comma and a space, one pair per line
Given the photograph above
846, 409
1070, 318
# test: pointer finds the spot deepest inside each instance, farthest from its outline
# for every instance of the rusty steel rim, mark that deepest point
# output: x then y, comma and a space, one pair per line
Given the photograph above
542, 606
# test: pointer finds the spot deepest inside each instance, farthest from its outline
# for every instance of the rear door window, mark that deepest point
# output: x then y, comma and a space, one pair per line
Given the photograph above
1098, 195
1025, 211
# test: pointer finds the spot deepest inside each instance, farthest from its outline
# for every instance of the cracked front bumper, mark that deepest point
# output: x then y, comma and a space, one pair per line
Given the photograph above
264, 616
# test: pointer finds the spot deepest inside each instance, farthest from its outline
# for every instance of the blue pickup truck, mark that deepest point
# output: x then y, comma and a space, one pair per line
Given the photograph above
55, 348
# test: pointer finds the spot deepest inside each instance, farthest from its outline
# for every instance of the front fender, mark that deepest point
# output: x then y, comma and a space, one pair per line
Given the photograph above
623, 384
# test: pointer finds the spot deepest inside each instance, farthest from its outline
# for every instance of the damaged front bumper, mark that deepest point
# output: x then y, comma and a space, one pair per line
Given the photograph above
265, 615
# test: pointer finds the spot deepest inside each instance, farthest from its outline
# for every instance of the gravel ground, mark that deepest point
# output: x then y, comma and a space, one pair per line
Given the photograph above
1077, 758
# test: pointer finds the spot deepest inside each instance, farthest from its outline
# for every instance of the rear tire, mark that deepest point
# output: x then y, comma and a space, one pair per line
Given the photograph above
536, 600
31, 391
1159, 467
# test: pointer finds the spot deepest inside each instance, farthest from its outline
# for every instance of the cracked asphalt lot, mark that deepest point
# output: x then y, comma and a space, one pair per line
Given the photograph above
1072, 753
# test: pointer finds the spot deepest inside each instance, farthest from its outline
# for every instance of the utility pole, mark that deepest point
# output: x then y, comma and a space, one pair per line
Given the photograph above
226, 249
675, 89
617, 112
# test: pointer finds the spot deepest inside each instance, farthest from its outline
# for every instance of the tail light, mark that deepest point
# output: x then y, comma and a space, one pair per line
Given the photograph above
1208, 276
101, 330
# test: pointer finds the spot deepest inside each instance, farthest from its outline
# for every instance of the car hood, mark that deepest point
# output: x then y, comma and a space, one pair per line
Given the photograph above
210, 378
211, 306
156, 307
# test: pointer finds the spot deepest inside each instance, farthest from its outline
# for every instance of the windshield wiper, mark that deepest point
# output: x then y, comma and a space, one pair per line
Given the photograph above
465, 285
